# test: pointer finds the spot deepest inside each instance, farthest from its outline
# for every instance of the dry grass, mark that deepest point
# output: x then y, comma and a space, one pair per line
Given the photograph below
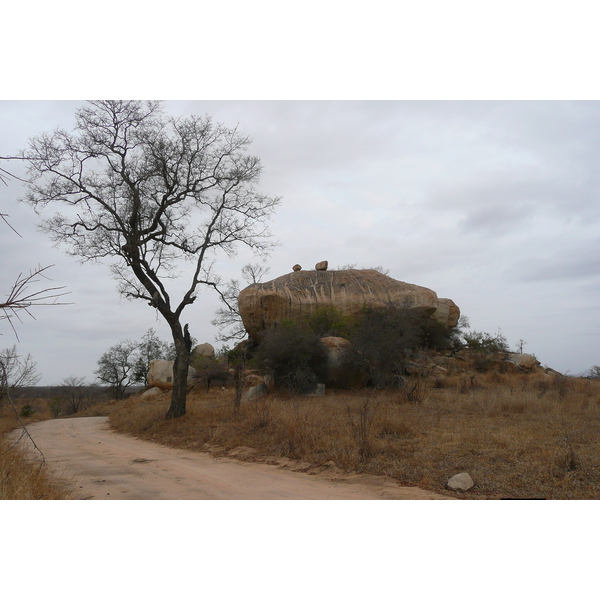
25, 476
518, 436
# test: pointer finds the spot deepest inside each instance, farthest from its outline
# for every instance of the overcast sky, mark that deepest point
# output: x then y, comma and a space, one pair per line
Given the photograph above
493, 204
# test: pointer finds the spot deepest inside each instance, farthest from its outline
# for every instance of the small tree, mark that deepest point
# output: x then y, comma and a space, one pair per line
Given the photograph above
486, 343
116, 367
228, 318
594, 372
150, 348
151, 192
16, 372
74, 390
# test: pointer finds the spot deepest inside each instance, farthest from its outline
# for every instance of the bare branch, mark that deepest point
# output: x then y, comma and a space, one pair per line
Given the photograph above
20, 298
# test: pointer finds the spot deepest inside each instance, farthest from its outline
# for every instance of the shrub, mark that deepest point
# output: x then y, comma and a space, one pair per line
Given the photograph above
330, 321
486, 343
438, 336
383, 340
27, 410
295, 355
55, 405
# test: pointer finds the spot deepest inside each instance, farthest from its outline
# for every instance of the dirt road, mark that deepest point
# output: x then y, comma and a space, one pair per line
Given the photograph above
103, 465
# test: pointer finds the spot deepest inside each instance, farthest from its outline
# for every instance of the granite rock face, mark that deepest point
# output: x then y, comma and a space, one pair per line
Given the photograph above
300, 293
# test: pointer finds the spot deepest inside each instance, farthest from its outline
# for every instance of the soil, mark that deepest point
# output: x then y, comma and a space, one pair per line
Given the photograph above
103, 465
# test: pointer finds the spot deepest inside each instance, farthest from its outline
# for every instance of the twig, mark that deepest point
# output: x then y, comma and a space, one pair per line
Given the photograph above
20, 299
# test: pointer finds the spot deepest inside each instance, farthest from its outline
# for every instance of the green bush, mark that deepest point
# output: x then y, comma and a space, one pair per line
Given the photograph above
486, 343
295, 355
330, 321
27, 410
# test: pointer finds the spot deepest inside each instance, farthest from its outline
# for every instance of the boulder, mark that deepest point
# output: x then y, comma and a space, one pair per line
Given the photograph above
206, 350
300, 293
296, 268
255, 392
153, 391
160, 374
341, 371
322, 266
527, 362
460, 483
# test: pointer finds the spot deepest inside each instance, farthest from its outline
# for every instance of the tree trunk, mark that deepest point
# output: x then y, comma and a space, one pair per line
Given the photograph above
240, 368
180, 374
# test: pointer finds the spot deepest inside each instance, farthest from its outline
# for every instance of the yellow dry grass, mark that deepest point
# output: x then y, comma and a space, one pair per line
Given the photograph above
519, 436
25, 476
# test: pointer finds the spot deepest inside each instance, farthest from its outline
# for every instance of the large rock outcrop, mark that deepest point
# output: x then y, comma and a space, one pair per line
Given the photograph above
300, 293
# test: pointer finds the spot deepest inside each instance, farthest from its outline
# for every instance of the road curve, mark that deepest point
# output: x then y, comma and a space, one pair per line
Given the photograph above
103, 465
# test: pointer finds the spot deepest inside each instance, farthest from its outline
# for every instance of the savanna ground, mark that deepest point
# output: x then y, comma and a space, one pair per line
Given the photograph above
518, 435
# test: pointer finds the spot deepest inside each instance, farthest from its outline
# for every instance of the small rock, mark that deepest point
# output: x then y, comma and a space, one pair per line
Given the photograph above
297, 268
322, 266
319, 390
153, 391
460, 483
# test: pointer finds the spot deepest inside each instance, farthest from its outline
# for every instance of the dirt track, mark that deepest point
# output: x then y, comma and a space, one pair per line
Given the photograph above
104, 465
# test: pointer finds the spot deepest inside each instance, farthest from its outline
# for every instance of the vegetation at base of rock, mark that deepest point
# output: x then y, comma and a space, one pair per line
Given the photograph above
295, 356
382, 339
518, 435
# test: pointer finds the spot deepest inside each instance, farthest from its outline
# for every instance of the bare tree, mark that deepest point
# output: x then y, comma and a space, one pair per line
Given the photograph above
75, 391
116, 367
228, 318
151, 191
16, 371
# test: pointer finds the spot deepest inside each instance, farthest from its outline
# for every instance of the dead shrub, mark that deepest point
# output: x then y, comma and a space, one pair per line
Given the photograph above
414, 390
260, 413
361, 425
560, 384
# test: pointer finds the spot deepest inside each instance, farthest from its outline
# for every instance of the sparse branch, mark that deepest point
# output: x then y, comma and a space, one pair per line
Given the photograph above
20, 298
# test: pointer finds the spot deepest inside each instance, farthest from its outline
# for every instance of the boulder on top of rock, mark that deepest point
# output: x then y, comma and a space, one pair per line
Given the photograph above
160, 374
322, 266
301, 293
